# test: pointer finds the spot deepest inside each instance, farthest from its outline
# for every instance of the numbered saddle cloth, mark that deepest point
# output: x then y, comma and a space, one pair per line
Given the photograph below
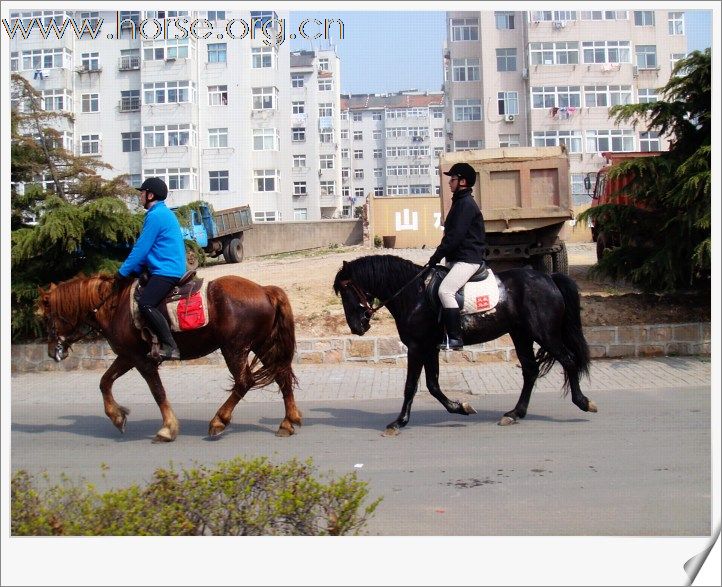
185, 307
480, 294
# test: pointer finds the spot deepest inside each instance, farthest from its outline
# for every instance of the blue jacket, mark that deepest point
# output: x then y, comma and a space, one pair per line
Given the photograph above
160, 245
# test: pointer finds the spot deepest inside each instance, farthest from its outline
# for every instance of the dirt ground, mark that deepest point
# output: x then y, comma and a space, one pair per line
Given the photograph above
308, 278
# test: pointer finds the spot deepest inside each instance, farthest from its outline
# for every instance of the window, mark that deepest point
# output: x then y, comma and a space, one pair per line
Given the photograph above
172, 135
261, 18
169, 92
90, 102
465, 70
217, 137
90, 61
344, 134
263, 57
646, 56
298, 107
299, 160
218, 95
506, 59
596, 96
154, 136
325, 136
325, 109
579, 192
420, 189
556, 96
326, 161
90, 144
268, 216
379, 190
358, 173
358, 154
129, 18
298, 134
345, 191
265, 139
131, 141
216, 15
504, 20
508, 102
345, 172
328, 188
325, 84
571, 139
397, 151
620, 95
507, 140
438, 151
344, 153
217, 52
300, 213
610, 140
358, 135
14, 61
296, 80
396, 170
183, 178
264, 98
323, 64
169, 49
376, 115
437, 113
549, 15
57, 100
92, 18
673, 58
465, 110
134, 180
218, 181
649, 141
344, 115
378, 153
376, 133
398, 190
378, 171
606, 51
559, 53
264, 180
129, 59
647, 95
46, 58
356, 116
438, 133
644, 18
299, 188
358, 193
604, 14
464, 29
675, 22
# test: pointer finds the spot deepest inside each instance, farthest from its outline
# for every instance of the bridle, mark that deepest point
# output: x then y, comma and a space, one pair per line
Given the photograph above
369, 309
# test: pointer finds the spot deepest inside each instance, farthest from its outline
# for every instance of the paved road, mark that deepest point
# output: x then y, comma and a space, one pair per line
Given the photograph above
641, 466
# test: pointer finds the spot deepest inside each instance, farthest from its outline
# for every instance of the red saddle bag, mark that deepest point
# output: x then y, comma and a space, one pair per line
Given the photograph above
190, 312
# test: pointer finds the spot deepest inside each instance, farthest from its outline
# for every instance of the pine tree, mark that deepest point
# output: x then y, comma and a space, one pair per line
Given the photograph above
666, 229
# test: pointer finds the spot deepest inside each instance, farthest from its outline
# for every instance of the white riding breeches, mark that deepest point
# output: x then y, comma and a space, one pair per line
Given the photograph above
457, 277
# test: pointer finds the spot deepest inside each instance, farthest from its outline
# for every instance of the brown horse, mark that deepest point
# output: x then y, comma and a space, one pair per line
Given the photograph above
244, 317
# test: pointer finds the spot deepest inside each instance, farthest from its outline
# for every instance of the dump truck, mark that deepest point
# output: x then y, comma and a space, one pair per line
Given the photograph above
611, 191
217, 233
524, 195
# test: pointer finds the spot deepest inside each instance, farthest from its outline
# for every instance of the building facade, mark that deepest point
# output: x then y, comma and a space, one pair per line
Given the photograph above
212, 112
390, 145
544, 78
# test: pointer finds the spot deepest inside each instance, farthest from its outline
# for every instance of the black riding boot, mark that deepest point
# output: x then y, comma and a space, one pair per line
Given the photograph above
159, 325
452, 321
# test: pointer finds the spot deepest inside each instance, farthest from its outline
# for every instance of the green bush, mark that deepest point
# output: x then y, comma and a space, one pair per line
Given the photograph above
237, 498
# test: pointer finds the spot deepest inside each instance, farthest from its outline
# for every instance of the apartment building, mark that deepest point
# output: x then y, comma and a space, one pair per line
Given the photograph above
315, 134
210, 113
544, 78
390, 145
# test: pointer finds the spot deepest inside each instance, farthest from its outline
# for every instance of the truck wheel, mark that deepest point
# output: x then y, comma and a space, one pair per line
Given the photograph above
234, 254
560, 260
602, 245
544, 263
191, 260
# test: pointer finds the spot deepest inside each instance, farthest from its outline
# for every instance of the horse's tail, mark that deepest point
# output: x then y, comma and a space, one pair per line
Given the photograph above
572, 335
277, 350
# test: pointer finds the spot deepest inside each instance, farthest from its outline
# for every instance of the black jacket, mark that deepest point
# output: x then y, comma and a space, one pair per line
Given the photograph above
464, 233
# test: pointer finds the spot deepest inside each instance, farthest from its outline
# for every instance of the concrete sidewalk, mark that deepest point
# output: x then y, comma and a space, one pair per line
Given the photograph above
209, 383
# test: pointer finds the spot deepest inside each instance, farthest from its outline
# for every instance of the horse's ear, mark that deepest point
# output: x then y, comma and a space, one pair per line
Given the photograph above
344, 264
52, 287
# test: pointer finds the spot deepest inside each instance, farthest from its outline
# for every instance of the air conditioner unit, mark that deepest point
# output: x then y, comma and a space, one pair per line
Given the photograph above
525, 73
170, 58
559, 24
635, 71
509, 117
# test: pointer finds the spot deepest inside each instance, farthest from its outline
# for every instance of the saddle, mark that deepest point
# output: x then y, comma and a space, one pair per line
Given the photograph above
479, 294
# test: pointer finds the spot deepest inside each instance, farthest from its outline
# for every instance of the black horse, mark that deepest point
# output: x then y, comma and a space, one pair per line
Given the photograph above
533, 308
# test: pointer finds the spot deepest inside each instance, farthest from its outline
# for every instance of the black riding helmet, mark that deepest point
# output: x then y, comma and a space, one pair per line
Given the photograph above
463, 171
156, 186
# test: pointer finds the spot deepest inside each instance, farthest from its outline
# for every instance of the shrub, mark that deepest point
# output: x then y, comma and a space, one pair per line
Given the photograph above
237, 498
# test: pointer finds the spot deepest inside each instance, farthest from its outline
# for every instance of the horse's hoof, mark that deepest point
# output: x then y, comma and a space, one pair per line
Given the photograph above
391, 431
507, 421
216, 432
592, 407
468, 409
163, 435
283, 432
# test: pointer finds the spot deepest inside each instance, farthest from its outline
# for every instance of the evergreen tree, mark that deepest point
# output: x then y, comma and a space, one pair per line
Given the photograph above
666, 228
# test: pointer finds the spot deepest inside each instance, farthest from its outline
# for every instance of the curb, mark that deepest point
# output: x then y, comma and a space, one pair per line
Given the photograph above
608, 342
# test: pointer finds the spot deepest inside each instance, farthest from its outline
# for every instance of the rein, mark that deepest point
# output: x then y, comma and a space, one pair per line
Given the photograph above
370, 309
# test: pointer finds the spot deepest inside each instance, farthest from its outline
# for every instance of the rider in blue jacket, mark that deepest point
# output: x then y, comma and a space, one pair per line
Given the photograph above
159, 247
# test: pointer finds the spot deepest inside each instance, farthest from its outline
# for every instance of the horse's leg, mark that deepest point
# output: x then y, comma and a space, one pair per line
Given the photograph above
524, 346
171, 427
113, 410
431, 368
242, 381
413, 372
293, 416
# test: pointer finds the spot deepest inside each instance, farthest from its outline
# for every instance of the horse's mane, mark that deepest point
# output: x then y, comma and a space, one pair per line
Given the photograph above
73, 299
383, 276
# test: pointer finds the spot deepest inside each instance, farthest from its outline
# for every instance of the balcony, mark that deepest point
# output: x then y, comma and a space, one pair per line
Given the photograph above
129, 105
129, 63
87, 68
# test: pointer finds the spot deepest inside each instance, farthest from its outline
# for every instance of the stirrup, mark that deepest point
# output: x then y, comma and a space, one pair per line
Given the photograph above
451, 344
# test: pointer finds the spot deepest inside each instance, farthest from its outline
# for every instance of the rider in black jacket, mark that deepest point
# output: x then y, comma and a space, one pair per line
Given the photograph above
463, 247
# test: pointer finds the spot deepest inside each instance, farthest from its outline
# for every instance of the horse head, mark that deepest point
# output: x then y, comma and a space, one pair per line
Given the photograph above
57, 329
355, 299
